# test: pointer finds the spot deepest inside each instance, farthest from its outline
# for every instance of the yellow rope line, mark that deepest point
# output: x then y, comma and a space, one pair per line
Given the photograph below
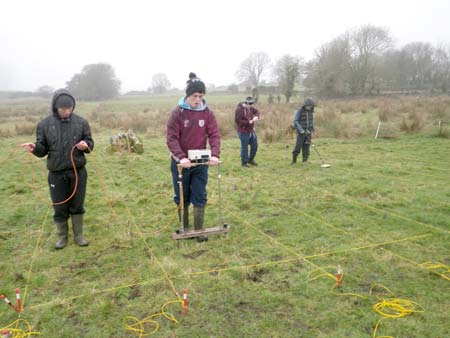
138, 326
387, 308
274, 240
394, 214
233, 268
313, 276
386, 211
306, 257
146, 244
383, 211
397, 308
18, 332
163, 313
419, 265
21, 333
96, 292
30, 269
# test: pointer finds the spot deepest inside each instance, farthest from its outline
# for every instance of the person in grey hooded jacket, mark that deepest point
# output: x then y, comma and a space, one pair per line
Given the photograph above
304, 125
64, 136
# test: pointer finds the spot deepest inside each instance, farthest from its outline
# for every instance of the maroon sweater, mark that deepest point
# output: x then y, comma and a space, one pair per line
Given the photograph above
190, 129
243, 116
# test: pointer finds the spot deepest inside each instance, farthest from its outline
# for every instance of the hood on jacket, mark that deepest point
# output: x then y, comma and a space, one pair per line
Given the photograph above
308, 102
182, 103
57, 94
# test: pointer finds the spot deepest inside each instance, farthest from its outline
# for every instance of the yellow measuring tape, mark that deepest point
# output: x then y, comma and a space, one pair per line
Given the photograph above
137, 326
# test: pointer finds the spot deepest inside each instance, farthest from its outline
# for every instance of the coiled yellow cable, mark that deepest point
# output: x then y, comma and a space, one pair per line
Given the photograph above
137, 326
18, 332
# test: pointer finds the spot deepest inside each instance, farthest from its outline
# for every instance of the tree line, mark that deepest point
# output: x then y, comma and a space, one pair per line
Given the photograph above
361, 61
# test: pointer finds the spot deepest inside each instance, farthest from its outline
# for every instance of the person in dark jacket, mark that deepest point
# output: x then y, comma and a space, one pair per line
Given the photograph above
304, 124
64, 136
190, 126
245, 117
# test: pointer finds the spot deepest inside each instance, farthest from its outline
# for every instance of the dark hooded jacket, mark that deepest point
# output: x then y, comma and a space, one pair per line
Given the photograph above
304, 119
56, 136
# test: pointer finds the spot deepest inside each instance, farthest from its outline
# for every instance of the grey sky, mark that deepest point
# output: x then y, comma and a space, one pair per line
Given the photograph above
46, 42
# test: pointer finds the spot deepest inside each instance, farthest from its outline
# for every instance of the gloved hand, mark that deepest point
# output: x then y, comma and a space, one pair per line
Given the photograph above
213, 161
185, 163
302, 131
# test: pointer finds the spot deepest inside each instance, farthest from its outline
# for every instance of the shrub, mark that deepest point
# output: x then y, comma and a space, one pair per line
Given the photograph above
413, 123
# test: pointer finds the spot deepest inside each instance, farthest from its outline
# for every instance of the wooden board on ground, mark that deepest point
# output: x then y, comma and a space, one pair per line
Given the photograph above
203, 232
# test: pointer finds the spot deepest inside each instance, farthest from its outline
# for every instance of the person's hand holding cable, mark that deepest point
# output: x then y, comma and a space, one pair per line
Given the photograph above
82, 146
29, 147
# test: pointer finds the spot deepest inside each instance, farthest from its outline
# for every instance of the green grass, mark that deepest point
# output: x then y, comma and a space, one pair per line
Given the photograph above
375, 192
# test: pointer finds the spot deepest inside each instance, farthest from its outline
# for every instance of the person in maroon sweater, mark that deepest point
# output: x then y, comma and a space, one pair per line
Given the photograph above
245, 117
190, 126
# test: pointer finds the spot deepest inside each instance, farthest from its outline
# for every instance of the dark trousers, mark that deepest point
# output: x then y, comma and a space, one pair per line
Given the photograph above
302, 145
61, 184
194, 184
248, 139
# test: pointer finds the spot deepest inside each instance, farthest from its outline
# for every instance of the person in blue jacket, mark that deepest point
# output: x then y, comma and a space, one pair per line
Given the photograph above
304, 125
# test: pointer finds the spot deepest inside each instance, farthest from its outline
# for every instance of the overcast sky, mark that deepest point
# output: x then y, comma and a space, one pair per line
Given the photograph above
46, 42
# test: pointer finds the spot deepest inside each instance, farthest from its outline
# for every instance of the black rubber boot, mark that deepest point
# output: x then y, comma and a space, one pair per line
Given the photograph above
294, 159
77, 227
199, 216
63, 230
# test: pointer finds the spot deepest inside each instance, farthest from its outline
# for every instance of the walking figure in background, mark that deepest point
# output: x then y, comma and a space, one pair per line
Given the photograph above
245, 117
304, 125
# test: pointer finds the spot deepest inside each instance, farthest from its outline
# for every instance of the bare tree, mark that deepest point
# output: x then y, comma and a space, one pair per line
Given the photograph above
287, 71
368, 44
252, 68
389, 71
441, 68
160, 83
328, 72
417, 64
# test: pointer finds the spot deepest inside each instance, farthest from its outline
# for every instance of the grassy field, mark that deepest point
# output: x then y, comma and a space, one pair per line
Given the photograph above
380, 212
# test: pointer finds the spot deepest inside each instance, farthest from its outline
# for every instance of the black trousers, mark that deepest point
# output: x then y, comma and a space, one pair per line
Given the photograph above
302, 145
61, 184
